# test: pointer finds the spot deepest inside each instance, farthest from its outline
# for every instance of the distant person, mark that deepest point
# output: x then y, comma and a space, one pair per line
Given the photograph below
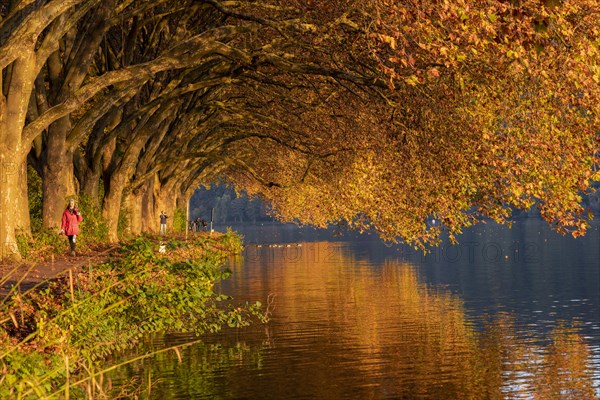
70, 224
163, 223
198, 224
204, 225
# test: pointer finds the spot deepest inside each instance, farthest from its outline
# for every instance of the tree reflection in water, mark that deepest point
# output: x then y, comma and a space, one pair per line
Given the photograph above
343, 328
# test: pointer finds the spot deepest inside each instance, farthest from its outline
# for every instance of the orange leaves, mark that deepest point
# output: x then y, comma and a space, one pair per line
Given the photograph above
434, 72
476, 120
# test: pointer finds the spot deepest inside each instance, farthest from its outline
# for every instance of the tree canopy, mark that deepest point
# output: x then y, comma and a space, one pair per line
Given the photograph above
377, 113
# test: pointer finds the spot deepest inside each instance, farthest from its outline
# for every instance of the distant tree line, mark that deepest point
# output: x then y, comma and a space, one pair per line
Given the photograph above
232, 207
228, 206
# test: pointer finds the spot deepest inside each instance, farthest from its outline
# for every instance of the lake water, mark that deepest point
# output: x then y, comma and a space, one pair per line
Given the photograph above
505, 314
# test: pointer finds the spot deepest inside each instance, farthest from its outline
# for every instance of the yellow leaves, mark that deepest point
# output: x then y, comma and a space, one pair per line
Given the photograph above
566, 31
308, 27
344, 20
391, 41
596, 71
462, 14
551, 4
412, 80
512, 54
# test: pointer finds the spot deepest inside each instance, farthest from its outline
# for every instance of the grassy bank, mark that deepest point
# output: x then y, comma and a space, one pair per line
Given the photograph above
53, 341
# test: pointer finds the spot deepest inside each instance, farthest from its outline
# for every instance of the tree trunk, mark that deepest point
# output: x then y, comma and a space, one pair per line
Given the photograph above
100, 158
10, 201
114, 191
180, 202
90, 187
149, 222
13, 153
23, 210
183, 200
58, 180
164, 200
111, 207
134, 207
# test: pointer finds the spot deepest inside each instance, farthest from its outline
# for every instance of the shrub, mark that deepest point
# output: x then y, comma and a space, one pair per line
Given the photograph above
232, 241
42, 244
93, 228
66, 330
179, 221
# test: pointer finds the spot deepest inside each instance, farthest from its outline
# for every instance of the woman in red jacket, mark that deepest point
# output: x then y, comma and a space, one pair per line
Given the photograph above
70, 224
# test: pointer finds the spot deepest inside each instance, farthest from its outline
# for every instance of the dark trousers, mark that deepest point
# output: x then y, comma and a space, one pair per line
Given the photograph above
72, 242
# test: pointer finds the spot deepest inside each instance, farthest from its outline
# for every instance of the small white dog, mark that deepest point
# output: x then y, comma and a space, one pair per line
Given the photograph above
162, 248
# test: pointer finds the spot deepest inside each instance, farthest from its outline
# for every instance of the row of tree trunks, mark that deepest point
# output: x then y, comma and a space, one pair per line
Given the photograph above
184, 91
66, 75
143, 207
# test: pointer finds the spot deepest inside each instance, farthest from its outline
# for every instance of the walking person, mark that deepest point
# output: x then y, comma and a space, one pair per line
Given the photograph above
70, 224
163, 223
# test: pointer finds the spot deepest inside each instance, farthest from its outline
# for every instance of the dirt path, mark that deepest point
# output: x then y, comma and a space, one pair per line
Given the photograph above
29, 274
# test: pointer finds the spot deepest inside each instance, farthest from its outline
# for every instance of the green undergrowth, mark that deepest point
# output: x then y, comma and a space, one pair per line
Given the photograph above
55, 341
179, 221
42, 244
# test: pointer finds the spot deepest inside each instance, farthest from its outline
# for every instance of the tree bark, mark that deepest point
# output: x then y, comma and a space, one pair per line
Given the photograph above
91, 186
13, 153
134, 207
22, 209
182, 199
111, 207
10, 200
149, 222
164, 200
58, 182
119, 180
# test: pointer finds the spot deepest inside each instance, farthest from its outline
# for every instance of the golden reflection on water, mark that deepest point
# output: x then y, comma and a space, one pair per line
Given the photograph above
415, 341
344, 327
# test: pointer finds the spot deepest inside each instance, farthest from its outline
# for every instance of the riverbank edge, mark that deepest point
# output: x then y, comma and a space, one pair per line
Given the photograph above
54, 337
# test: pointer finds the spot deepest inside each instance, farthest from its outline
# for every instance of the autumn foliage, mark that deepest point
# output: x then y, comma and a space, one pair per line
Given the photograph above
378, 114
490, 105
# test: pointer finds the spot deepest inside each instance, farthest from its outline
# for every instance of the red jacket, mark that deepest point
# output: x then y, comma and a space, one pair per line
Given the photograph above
70, 222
